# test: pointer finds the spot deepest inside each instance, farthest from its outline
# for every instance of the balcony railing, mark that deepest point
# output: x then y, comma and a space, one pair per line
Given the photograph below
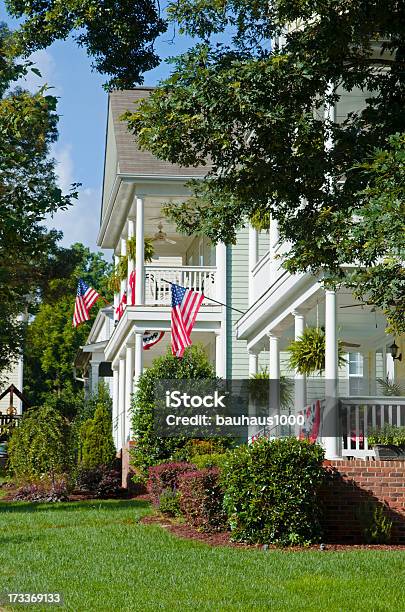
359, 415
157, 290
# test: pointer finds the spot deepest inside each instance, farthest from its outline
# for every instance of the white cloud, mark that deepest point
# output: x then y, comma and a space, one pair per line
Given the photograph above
46, 65
80, 223
64, 166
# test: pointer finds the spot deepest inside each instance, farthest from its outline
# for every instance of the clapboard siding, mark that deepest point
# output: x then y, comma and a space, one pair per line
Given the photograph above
237, 297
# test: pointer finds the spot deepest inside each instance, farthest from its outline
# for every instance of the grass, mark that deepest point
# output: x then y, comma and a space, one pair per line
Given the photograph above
99, 557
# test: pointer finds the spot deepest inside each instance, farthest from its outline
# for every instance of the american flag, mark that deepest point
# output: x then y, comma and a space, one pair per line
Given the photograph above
185, 306
119, 311
86, 297
132, 279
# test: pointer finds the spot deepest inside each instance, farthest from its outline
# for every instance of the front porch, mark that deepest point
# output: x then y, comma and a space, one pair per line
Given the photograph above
358, 388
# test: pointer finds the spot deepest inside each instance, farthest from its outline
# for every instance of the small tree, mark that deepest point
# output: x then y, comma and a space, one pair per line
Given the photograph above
150, 448
95, 435
40, 445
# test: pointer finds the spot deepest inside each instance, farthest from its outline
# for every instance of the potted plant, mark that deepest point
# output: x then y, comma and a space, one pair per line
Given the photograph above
114, 282
389, 387
259, 391
149, 249
307, 354
388, 442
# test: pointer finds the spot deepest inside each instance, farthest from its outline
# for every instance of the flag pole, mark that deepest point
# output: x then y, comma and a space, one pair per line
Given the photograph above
104, 300
209, 298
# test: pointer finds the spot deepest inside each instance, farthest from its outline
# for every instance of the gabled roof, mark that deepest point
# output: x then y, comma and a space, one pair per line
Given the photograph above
130, 159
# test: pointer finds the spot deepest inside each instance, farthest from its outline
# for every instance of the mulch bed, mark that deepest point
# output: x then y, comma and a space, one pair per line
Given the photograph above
223, 538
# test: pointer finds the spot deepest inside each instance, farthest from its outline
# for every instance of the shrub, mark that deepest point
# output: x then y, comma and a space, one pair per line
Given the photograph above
210, 460
375, 523
45, 490
96, 439
165, 477
169, 503
270, 491
110, 484
67, 401
40, 445
86, 411
195, 447
201, 499
151, 449
388, 434
102, 482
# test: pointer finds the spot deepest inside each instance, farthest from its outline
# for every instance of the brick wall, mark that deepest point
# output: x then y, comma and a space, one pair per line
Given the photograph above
352, 483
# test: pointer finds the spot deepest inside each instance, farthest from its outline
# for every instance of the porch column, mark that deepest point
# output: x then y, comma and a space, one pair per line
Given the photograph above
371, 372
330, 420
253, 369
221, 296
253, 258
274, 375
129, 377
220, 366
273, 245
140, 253
138, 361
131, 262
123, 254
274, 358
121, 404
115, 400
299, 379
116, 294
94, 377
253, 363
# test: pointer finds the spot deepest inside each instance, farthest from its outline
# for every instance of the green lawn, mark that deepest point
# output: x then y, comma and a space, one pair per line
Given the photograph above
100, 558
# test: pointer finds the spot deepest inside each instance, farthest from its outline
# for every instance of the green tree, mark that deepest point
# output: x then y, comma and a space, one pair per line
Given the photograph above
256, 111
51, 340
40, 445
28, 192
150, 448
119, 36
95, 435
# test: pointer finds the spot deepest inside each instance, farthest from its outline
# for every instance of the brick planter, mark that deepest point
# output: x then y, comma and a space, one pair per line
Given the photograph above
352, 483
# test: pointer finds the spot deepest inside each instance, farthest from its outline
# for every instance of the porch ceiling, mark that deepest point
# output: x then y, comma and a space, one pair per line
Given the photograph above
155, 194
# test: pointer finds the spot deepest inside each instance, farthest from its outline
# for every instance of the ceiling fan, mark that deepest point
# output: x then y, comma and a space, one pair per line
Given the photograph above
161, 236
362, 304
350, 344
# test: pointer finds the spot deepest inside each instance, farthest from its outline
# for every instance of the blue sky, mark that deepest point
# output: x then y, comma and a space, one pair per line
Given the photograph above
83, 108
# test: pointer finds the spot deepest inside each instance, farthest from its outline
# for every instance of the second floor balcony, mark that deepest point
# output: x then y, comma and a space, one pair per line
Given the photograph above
158, 279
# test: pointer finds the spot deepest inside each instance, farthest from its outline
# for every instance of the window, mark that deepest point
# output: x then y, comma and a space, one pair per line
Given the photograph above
355, 364
355, 370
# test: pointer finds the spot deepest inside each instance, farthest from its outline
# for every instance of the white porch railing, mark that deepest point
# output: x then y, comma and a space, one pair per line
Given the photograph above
157, 291
360, 414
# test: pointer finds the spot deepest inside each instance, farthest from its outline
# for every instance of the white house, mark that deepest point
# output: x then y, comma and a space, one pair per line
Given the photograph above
136, 185
247, 277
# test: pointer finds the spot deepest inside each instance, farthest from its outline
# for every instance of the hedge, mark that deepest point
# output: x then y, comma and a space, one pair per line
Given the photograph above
271, 491
164, 478
201, 499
